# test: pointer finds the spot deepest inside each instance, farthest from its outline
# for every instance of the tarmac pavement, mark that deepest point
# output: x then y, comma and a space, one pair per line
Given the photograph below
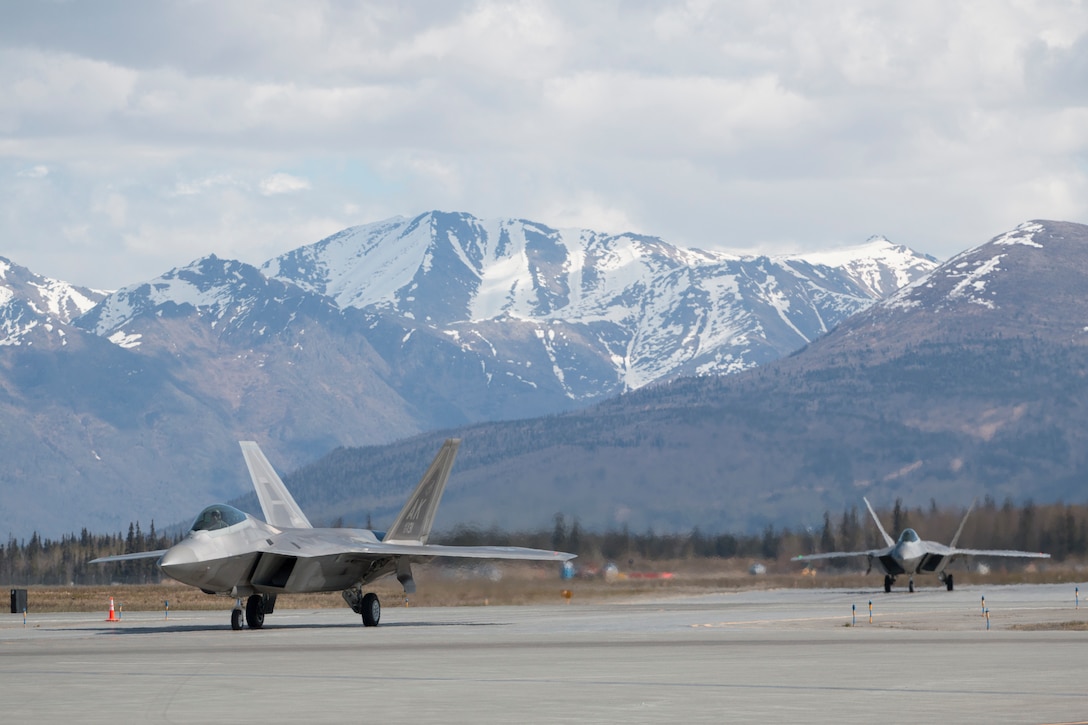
775, 656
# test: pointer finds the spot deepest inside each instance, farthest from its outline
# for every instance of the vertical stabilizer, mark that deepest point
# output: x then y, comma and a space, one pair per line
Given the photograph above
956, 538
279, 507
413, 524
887, 539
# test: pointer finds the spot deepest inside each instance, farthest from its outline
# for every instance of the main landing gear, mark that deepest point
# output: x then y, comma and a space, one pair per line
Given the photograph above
947, 579
889, 580
366, 605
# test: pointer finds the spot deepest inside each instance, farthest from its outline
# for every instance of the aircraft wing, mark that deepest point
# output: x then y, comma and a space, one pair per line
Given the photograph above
939, 557
129, 557
473, 552
327, 545
1000, 552
840, 554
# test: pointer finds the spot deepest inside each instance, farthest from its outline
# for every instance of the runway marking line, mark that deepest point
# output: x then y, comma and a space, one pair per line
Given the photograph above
771, 621
643, 684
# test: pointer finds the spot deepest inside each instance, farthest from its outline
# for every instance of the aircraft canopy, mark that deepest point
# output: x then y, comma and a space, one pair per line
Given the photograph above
908, 535
218, 516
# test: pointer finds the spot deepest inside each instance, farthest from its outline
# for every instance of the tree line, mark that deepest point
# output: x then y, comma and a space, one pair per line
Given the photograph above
1058, 529
42, 561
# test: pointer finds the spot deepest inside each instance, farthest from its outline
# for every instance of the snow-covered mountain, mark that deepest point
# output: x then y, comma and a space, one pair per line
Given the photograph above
37, 309
1035, 270
372, 335
598, 314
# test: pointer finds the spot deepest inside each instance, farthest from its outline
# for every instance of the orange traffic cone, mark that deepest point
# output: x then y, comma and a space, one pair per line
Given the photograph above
113, 615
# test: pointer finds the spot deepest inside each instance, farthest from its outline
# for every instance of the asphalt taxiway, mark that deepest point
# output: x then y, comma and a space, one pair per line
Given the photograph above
775, 656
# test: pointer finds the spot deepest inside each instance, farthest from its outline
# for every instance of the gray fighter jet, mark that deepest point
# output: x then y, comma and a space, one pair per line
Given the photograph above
911, 554
229, 552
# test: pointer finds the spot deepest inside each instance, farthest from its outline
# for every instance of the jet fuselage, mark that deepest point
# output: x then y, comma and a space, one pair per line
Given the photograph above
236, 559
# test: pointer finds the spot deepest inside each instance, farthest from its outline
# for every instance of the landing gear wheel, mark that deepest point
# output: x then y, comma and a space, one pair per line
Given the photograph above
255, 611
948, 582
888, 584
910, 586
236, 619
372, 610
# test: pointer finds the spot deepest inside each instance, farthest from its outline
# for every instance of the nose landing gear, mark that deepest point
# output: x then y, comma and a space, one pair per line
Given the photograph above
257, 606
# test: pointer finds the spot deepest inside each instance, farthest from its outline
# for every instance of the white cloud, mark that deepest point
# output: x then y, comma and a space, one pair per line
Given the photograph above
39, 171
282, 184
143, 135
192, 187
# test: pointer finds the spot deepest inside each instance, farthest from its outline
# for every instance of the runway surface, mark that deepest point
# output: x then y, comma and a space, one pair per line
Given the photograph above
760, 656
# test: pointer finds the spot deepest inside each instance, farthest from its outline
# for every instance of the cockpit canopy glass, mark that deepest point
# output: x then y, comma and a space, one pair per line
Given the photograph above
218, 516
908, 535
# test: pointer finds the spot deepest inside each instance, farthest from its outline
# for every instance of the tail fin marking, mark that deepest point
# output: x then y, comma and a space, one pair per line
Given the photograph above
413, 523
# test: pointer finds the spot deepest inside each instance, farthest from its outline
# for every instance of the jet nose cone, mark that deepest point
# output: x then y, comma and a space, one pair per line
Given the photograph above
178, 556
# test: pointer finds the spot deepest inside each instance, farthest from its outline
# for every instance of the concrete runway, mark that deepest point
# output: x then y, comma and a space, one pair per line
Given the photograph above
775, 656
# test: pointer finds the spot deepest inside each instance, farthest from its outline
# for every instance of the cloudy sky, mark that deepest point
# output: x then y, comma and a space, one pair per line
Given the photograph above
138, 136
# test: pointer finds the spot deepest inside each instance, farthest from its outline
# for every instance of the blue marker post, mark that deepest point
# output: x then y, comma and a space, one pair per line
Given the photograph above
987, 619
24, 617
166, 609
853, 615
983, 605
1076, 597
870, 611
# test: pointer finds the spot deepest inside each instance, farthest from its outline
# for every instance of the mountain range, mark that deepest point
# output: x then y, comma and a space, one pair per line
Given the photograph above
969, 383
126, 405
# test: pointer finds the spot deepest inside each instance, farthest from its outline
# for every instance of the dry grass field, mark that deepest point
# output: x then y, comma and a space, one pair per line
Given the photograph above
527, 583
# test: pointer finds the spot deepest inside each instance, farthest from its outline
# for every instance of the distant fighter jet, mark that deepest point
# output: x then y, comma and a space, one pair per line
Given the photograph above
229, 552
911, 555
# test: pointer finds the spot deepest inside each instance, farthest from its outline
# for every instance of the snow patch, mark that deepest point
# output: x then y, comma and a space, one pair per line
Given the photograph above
125, 340
1023, 234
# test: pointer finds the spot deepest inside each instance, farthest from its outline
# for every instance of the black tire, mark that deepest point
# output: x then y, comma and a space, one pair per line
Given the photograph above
255, 611
887, 584
236, 619
910, 586
948, 582
372, 610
